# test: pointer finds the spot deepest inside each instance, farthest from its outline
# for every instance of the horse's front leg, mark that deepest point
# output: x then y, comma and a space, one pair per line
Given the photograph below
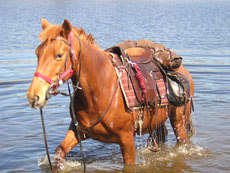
127, 146
69, 142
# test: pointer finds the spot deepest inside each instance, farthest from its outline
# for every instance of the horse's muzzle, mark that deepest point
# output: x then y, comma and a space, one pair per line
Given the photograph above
36, 102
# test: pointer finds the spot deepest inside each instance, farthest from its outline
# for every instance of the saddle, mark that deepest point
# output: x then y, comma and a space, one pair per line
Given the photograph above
145, 65
140, 61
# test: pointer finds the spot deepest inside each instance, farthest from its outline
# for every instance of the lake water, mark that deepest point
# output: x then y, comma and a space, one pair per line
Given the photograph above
198, 30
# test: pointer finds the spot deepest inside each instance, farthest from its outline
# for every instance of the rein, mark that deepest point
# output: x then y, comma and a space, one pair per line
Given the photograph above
45, 139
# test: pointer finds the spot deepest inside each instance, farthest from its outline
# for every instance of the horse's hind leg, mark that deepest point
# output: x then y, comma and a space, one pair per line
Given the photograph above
178, 122
161, 133
189, 124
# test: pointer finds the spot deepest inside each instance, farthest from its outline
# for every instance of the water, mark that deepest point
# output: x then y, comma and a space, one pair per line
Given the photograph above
198, 30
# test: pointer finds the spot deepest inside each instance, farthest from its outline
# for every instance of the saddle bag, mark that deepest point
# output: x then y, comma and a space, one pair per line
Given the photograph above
168, 59
178, 89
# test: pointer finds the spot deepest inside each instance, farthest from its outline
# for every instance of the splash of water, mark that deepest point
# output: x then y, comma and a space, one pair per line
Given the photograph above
182, 151
64, 165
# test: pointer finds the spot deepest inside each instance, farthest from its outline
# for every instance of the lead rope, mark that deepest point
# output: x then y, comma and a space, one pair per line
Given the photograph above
72, 114
45, 140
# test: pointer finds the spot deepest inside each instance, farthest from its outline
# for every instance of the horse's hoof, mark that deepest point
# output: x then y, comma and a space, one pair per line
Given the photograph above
59, 163
154, 149
59, 157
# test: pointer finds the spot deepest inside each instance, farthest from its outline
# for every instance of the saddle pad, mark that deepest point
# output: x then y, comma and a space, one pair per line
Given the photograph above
126, 87
127, 90
162, 92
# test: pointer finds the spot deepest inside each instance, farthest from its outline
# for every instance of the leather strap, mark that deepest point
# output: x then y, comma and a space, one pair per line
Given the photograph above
69, 71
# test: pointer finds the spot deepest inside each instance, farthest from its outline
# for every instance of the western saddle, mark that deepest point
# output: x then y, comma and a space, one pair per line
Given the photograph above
153, 60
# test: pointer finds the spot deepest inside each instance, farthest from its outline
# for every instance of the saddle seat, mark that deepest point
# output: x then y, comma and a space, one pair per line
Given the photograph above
139, 54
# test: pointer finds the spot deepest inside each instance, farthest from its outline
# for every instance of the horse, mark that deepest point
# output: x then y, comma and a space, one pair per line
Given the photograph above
67, 52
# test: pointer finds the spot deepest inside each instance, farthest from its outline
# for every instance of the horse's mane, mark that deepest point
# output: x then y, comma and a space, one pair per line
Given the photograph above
54, 31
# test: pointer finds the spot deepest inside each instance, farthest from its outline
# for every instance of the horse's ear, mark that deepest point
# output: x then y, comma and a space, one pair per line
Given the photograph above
45, 23
66, 28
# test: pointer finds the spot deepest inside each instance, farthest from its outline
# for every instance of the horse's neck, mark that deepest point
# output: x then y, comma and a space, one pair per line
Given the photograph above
97, 77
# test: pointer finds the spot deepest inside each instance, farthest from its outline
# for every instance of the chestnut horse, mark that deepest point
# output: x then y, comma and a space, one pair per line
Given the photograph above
61, 57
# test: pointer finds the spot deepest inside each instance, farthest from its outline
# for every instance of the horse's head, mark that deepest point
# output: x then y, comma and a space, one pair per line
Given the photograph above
54, 62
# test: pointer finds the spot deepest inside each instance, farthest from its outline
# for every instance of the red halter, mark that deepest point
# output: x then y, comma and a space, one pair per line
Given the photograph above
69, 71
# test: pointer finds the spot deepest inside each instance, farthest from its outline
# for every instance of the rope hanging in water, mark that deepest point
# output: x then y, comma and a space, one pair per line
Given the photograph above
45, 139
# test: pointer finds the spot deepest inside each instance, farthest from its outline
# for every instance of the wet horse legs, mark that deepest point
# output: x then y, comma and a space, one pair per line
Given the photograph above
178, 122
127, 146
69, 142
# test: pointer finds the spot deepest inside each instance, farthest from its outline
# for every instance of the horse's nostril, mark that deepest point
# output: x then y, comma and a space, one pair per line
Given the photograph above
36, 100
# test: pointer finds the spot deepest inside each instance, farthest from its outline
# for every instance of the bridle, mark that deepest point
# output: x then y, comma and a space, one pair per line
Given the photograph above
52, 90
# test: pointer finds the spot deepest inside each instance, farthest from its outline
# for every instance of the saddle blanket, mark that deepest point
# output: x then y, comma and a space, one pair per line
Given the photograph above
127, 89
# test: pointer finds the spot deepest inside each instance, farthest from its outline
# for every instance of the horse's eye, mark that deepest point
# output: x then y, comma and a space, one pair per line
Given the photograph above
59, 56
